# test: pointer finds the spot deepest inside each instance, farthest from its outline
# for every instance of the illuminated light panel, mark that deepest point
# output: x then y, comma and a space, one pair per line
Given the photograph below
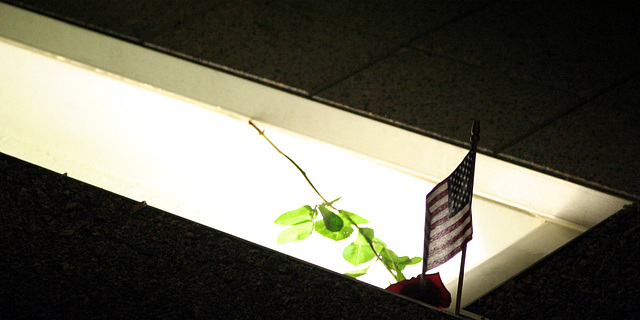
175, 134
211, 167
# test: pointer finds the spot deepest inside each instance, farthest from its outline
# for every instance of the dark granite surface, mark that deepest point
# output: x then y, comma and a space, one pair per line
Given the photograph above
73, 251
593, 277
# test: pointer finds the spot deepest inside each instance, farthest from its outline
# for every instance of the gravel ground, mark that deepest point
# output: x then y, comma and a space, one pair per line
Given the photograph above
70, 250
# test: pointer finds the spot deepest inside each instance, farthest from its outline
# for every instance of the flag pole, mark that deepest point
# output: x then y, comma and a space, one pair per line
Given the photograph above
475, 137
425, 252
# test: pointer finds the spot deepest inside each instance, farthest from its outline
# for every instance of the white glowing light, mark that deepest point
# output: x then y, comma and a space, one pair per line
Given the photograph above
213, 168
177, 137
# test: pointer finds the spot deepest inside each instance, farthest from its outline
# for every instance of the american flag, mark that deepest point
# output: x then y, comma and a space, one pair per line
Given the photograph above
449, 214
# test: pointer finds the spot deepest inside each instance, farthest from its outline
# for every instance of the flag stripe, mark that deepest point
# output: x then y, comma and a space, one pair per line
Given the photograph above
450, 242
442, 221
449, 238
439, 247
440, 212
450, 226
437, 192
444, 256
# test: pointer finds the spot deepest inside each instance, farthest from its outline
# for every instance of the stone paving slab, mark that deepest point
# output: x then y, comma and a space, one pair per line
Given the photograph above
279, 44
132, 20
442, 97
597, 142
567, 45
394, 20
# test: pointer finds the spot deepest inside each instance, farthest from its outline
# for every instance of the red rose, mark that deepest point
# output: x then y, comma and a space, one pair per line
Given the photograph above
434, 292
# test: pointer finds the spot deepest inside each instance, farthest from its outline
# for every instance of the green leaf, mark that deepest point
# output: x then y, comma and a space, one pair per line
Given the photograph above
293, 217
400, 276
352, 217
295, 233
357, 273
393, 261
344, 233
331, 220
363, 235
360, 250
390, 259
332, 202
415, 260
379, 244
358, 253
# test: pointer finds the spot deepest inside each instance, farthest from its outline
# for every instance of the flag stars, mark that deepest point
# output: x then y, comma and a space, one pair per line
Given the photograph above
459, 185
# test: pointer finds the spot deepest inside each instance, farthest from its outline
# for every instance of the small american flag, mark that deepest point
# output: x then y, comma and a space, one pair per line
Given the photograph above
449, 214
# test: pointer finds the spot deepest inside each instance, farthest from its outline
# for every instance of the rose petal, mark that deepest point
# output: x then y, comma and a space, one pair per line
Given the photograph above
434, 292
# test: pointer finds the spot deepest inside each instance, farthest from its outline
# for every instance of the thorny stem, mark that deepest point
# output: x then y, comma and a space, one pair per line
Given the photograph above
304, 174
